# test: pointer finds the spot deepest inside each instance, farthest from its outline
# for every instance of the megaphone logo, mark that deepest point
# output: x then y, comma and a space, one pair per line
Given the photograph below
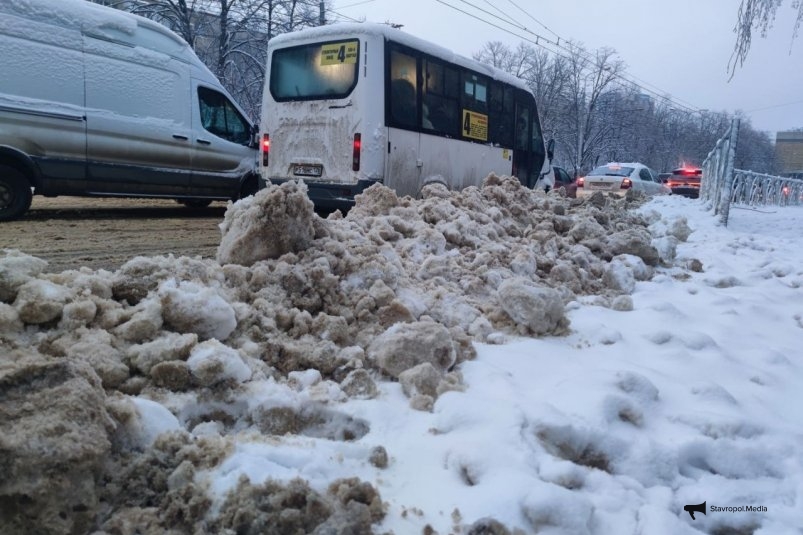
700, 508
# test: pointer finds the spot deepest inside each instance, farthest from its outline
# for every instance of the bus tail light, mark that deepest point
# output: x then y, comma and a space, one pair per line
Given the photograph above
626, 183
581, 181
265, 149
355, 159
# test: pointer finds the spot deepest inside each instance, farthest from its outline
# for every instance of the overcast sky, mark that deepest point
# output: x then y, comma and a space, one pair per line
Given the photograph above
675, 47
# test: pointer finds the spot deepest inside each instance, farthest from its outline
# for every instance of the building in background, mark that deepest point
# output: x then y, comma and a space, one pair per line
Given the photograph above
789, 148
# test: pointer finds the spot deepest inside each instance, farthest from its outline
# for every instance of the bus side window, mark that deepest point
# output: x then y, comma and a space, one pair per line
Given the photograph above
522, 128
500, 111
403, 85
439, 109
475, 92
537, 137
474, 99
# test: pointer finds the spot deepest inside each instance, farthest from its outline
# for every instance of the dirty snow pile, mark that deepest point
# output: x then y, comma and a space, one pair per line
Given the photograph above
490, 361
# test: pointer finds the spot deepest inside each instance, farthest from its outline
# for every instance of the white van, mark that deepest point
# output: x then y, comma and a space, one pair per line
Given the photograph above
98, 102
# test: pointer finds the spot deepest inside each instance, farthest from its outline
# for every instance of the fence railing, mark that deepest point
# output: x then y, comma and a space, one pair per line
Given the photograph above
723, 186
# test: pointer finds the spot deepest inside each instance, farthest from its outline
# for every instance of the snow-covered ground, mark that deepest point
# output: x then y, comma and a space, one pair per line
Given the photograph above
495, 361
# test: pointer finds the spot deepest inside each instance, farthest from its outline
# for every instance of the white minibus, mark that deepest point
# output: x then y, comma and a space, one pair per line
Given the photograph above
348, 105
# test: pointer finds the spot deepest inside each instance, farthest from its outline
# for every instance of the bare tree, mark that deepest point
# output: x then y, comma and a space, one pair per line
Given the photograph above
757, 15
597, 117
547, 79
499, 55
590, 77
755, 150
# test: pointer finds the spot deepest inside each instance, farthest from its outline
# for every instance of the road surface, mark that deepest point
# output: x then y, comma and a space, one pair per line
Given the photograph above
71, 232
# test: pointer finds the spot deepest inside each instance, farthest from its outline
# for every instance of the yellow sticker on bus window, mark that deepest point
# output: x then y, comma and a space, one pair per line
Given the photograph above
475, 125
506, 154
339, 53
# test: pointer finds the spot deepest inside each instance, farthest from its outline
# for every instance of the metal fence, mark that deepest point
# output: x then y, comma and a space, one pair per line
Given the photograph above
723, 186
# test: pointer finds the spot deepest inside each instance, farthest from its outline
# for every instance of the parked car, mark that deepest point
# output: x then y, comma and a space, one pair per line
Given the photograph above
685, 181
565, 181
98, 102
619, 178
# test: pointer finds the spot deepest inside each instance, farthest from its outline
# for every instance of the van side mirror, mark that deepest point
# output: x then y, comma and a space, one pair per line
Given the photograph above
550, 149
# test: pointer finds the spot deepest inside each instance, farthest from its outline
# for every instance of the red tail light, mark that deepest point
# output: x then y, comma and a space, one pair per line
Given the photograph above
265, 149
581, 181
626, 183
355, 159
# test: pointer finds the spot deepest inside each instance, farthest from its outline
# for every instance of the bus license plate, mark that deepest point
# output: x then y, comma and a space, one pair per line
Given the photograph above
307, 170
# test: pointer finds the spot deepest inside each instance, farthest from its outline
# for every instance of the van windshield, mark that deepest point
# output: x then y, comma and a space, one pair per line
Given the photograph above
317, 71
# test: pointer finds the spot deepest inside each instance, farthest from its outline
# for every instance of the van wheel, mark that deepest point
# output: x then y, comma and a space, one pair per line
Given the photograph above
15, 193
195, 203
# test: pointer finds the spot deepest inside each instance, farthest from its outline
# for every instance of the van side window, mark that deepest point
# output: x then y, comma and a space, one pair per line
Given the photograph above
221, 118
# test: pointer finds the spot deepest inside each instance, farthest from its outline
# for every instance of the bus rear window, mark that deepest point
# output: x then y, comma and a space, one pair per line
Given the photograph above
317, 71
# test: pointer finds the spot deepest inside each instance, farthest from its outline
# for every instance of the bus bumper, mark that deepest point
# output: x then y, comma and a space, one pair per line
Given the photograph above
325, 195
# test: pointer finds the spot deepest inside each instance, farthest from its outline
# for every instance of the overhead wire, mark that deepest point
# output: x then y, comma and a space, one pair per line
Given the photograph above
337, 13
342, 16
631, 79
533, 18
776, 106
542, 42
511, 20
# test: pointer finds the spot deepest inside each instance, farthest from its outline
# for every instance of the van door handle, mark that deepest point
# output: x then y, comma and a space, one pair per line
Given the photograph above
179, 136
204, 141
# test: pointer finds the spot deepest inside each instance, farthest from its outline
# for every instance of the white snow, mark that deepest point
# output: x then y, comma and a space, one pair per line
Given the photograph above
197, 309
211, 362
152, 420
682, 386
692, 396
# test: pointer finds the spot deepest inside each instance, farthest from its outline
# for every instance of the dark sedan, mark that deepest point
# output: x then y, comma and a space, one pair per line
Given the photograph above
685, 181
563, 180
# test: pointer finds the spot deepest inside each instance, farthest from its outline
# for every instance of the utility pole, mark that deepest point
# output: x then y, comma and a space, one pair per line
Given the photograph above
322, 16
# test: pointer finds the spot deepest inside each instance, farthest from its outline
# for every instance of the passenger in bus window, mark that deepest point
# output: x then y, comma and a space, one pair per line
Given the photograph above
402, 105
425, 122
439, 114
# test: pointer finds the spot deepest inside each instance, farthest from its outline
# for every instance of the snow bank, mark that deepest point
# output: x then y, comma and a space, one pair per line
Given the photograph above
275, 221
196, 359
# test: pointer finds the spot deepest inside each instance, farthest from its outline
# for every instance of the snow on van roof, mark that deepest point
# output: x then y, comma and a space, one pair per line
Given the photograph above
89, 17
106, 23
345, 29
77, 13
